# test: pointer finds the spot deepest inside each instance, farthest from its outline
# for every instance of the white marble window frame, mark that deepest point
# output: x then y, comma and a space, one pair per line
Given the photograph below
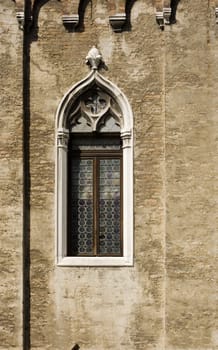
62, 135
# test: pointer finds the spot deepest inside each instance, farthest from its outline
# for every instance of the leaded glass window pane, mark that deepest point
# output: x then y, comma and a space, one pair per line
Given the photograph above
81, 225
109, 206
94, 196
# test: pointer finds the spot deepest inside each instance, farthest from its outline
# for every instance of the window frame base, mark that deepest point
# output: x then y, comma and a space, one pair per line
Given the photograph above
95, 261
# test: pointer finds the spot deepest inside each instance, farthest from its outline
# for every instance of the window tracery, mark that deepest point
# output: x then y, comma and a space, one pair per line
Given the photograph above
95, 111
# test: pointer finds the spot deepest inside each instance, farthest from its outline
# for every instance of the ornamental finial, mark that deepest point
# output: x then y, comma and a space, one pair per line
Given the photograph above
94, 58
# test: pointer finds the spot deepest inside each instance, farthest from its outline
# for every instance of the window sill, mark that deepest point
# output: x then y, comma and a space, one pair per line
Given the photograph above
95, 261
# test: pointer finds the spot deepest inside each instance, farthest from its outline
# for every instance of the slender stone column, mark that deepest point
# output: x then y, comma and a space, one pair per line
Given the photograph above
62, 148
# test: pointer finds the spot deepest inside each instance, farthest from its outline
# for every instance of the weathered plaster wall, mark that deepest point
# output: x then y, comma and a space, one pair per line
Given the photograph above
10, 179
98, 308
167, 300
191, 178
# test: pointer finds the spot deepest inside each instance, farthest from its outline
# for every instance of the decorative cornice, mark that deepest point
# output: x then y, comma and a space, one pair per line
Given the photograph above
165, 14
117, 22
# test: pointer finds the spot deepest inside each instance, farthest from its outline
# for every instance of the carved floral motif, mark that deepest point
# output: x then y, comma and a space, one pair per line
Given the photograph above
94, 58
95, 110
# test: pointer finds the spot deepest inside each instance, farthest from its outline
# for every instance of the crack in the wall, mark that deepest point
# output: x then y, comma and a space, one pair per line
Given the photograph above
50, 72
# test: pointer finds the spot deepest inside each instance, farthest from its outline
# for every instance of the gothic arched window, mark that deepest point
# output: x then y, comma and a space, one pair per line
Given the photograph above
94, 176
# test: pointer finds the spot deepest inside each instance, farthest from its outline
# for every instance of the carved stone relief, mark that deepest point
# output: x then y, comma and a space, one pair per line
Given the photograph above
95, 111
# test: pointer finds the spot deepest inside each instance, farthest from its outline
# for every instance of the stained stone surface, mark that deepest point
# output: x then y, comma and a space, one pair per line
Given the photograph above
167, 300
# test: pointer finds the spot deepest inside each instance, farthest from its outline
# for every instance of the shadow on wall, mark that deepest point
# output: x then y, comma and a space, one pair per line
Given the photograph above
75, 347
26, 181
34, 14
129, 5
173, 5
81, 12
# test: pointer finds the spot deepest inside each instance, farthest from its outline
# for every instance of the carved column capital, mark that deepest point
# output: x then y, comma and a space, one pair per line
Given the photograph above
126, 137
62, 138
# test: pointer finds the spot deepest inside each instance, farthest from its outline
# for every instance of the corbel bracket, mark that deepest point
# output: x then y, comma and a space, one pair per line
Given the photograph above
20, 13
167, 13
20, 19
70, 22
216, 14
163, 17
117, 22
160, 19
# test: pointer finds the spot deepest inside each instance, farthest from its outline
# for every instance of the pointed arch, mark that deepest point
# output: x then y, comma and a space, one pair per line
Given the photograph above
116, 6
78, 89
94, 79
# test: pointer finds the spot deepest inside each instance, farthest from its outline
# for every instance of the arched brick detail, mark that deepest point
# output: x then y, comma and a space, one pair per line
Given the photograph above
71, 7
19, 5
116, 6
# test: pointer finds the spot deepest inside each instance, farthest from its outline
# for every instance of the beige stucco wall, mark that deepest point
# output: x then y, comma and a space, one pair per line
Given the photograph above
167, 299
10, 179
191, 179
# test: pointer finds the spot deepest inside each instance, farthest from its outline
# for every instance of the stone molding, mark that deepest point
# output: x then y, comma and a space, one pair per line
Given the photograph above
165, 15
62, 132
